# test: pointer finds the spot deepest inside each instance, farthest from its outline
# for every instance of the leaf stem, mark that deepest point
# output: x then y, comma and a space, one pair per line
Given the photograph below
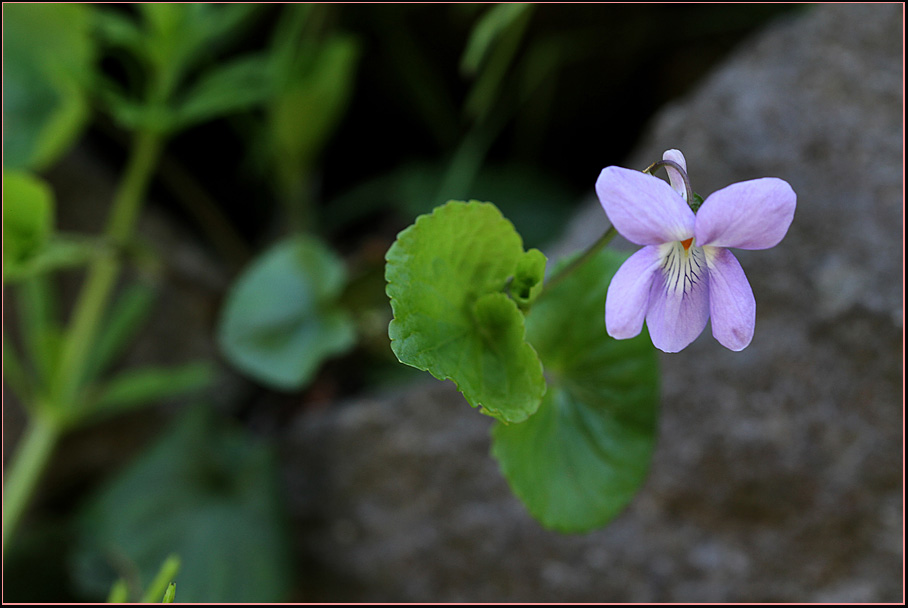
49, 422
102, 274
32, 454
162, 580
14, 374
580, 260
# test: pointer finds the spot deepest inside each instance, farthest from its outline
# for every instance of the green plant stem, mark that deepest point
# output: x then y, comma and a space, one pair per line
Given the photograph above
14, 375
48, 423
158, 587
296, 197
32, 454
580, 261
102, 274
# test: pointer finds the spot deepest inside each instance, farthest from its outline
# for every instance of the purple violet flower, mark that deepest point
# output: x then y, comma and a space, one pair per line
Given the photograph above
684, 274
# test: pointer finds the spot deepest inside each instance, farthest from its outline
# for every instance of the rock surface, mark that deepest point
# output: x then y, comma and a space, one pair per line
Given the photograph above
778, 473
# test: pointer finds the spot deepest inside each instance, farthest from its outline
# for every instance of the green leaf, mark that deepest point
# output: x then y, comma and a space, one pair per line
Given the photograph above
205, 492
119, 592
281, 318
177, 37
47, 65
42, 334
137, 115
238, 85
116, 29
527, 283
581, 458
161, 584
173, 35
148, 385
487, 30
126, 317
446, 276
310, 95
186, 32
60, 252
28, 216
507, 24
170, 595
14, 375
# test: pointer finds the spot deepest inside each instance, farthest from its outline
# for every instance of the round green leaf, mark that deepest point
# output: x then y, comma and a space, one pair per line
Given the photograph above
580, 459
28, 217
281, 318
447, 275
47, 64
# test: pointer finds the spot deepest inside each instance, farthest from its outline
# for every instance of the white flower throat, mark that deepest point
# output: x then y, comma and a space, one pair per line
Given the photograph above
683, 266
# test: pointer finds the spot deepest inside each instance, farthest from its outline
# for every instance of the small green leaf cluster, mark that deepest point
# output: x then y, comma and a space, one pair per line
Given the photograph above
575, 410
170, 43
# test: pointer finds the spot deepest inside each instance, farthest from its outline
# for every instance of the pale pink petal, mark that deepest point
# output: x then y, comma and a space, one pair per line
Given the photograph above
731, 300
644, 209
679, 299
674, 176
628, 294
754, 214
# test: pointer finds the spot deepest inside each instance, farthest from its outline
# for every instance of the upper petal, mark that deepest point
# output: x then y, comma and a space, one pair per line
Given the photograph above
628, 294
754, 214
679, 298
644, 209
731, 300
674, 177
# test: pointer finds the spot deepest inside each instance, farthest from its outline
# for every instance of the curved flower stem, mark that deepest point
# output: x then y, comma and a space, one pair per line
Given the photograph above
651, 170
580, 261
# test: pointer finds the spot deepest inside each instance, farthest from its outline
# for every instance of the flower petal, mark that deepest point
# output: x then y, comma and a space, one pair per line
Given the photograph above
731, 300
644, 209
674, 176
679, 298
754, 214
628, 293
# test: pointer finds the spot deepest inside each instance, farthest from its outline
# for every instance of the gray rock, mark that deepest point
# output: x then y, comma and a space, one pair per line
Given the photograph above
778, 474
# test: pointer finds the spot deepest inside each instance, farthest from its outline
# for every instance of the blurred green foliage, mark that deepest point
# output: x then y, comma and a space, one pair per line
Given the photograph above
281, 318
353, 119
123, 590
310, 79
206, 492
48, 57
28, 217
